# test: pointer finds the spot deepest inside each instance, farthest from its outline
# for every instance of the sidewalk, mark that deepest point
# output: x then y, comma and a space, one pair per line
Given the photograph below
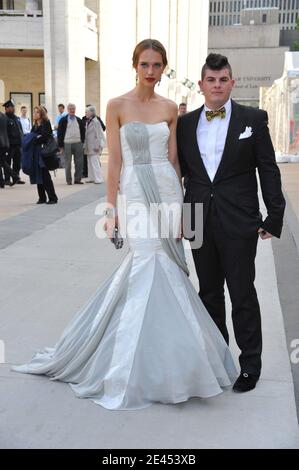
290, 181
47, 274
21, 198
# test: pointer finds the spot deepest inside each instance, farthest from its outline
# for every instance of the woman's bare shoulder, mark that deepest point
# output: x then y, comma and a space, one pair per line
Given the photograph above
169, 104
119, 100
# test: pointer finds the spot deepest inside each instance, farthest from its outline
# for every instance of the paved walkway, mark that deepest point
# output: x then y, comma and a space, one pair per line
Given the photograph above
51, 262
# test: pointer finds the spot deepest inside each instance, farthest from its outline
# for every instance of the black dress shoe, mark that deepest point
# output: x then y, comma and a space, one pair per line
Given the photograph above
2, 186
20, 182
14, 181
40, 201
52, 202
245, 382
79, 182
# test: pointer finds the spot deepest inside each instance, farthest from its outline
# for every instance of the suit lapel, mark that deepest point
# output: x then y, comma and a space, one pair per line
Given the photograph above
194, 141
234, 129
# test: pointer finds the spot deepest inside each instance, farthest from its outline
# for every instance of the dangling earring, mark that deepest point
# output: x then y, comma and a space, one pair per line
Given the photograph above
159, 83
137, 78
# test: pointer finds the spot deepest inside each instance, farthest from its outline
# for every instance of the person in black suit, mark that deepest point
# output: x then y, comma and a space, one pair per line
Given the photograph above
4, 148
15, 136
220, 147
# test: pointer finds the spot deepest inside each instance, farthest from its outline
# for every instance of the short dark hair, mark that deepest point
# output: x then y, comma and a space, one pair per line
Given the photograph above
61, 106
182, 104
23, 107
216, 62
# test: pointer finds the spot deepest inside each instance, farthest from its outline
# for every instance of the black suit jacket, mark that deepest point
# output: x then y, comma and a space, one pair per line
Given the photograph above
14, 130
234, 188
44, 131
4, 141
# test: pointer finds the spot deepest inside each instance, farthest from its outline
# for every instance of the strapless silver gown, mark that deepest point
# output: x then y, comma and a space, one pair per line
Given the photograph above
144, 336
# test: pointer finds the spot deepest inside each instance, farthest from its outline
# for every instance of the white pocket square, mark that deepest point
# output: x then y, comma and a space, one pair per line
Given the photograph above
247, 133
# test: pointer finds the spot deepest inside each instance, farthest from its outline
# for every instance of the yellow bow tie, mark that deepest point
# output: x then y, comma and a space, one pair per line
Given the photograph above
212, 114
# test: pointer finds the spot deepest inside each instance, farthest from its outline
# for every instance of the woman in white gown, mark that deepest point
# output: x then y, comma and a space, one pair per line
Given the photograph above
144, 336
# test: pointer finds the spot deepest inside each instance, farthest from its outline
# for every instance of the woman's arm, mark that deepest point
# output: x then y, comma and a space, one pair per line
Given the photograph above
44, 132
172, 148
114, 160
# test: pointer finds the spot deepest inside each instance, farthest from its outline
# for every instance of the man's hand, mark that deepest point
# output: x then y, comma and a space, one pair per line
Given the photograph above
264, 234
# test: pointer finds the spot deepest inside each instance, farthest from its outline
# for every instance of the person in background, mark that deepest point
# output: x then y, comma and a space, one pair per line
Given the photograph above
25, 121
182, 109
4, 147
85, 119
71, 136
42, 127
94, 144
15, 136
62, 113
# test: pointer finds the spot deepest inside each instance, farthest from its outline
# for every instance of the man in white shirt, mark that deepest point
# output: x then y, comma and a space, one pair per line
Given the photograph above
25, 121
220, 147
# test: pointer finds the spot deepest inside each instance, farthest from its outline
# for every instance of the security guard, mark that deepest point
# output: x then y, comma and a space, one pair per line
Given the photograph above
15, 136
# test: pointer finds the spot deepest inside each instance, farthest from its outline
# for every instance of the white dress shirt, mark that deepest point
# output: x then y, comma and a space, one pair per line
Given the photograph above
26, 125
211, 137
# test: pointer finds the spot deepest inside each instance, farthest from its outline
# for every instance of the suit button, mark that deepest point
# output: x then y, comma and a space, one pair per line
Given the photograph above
212, 195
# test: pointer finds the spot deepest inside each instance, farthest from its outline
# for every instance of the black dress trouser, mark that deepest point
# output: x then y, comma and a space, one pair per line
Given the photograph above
13, 159
47, 188
8, 171
221, 259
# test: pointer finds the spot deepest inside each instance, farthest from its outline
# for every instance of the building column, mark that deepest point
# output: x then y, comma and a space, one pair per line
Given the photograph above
64, 54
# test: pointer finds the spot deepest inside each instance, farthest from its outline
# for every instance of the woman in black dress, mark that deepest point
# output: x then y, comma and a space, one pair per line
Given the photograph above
42, 127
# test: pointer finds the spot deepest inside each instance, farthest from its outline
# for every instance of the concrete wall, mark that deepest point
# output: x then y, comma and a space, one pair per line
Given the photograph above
256, 15
92, 77
27, 33
13, 71
244, 36
64, 54
254, 53
253, 68
181, 25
